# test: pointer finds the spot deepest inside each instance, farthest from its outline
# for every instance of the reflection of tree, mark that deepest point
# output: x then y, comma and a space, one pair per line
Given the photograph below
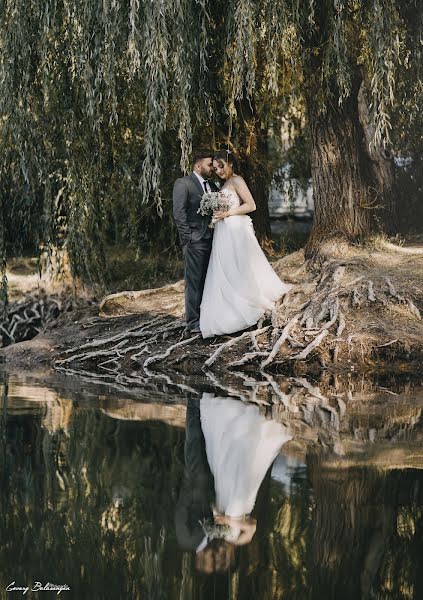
359, 547
94, 506
281, 544
87, 509
401, 575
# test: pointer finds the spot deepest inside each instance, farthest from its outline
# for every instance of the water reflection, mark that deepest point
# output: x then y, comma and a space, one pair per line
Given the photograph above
229, 447
113, 497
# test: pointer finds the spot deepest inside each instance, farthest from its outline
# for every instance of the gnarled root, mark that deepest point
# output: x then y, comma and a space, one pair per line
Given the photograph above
23, 320
328, 316
301, 329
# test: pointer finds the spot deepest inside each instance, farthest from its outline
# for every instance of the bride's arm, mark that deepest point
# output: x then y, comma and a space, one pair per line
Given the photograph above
248, 205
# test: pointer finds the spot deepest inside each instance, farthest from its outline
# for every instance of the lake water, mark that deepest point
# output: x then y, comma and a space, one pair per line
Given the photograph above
155, 494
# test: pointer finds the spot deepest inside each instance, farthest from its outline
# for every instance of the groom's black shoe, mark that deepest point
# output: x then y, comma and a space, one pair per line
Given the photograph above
189, 332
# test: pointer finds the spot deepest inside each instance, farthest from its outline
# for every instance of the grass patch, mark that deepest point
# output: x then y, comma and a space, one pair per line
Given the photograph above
288, 241
126, 271
158, 268
154, 269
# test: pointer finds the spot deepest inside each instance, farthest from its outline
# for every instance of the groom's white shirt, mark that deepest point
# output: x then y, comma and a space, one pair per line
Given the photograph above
202, 180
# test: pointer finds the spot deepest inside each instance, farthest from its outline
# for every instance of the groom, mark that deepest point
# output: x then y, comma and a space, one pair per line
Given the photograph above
194, 233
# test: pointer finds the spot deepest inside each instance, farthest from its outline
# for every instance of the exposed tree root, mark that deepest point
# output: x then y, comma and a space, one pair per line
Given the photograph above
341, 314
157, 357
280, 341
23, 320
312, 346
413, 308
230, 343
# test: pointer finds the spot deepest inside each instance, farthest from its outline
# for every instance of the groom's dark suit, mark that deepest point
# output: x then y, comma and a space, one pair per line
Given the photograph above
196, 240
197, 490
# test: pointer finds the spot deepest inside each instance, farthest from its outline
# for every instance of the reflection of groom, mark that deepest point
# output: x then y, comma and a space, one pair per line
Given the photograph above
196, 498
194, 234
197, 491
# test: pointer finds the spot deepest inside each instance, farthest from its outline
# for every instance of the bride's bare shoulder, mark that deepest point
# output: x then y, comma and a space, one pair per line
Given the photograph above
238, 180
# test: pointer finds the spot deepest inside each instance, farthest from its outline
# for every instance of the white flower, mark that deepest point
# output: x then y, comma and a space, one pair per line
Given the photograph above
212, 202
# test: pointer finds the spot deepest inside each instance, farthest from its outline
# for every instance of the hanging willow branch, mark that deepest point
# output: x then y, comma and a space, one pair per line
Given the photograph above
385, 57
90, 91
340, 51
241, 53
156, 62
272, 36
182, 61
134, 53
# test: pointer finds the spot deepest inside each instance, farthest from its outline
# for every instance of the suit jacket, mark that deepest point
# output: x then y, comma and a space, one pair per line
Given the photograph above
187, 193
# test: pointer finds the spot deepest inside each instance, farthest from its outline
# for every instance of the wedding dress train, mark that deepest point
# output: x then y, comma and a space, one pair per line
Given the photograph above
240, 282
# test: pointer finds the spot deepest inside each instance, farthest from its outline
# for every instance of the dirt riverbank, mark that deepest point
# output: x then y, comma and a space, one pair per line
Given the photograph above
358, 312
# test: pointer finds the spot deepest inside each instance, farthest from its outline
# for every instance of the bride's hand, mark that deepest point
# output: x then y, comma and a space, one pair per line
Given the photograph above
220, 214
220, 519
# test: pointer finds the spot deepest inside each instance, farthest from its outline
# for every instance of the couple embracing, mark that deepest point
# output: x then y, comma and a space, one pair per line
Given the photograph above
229, 283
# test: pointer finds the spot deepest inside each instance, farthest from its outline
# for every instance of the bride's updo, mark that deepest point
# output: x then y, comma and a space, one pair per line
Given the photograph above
229, 157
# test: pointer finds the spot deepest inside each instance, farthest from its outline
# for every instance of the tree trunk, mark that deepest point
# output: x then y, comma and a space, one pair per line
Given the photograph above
382, 164
255, 169
259, 187
347, 194
251, 139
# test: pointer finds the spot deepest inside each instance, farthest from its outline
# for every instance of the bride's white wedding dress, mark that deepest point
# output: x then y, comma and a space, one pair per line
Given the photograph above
241, 444
240, 282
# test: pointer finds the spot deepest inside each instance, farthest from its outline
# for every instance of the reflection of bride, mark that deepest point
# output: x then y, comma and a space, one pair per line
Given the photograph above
241, 445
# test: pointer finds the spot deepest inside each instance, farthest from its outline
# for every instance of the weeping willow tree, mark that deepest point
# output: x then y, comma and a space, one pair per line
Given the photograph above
88, 94
101, 102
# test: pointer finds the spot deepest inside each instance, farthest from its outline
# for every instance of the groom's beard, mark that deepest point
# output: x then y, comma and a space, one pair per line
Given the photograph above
205, 174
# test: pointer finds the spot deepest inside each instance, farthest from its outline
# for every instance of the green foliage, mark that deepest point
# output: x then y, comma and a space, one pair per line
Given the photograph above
152, 269
101, 102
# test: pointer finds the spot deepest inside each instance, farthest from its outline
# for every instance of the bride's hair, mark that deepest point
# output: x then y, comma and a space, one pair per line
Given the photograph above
228, 157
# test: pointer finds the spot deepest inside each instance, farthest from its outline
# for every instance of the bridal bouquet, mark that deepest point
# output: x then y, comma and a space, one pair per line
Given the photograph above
212, 202
215, 531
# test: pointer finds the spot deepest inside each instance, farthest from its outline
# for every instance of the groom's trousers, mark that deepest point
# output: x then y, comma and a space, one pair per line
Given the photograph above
196, 255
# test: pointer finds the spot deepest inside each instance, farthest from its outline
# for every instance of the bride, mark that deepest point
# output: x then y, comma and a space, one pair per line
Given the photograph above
241, 445
240, 283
